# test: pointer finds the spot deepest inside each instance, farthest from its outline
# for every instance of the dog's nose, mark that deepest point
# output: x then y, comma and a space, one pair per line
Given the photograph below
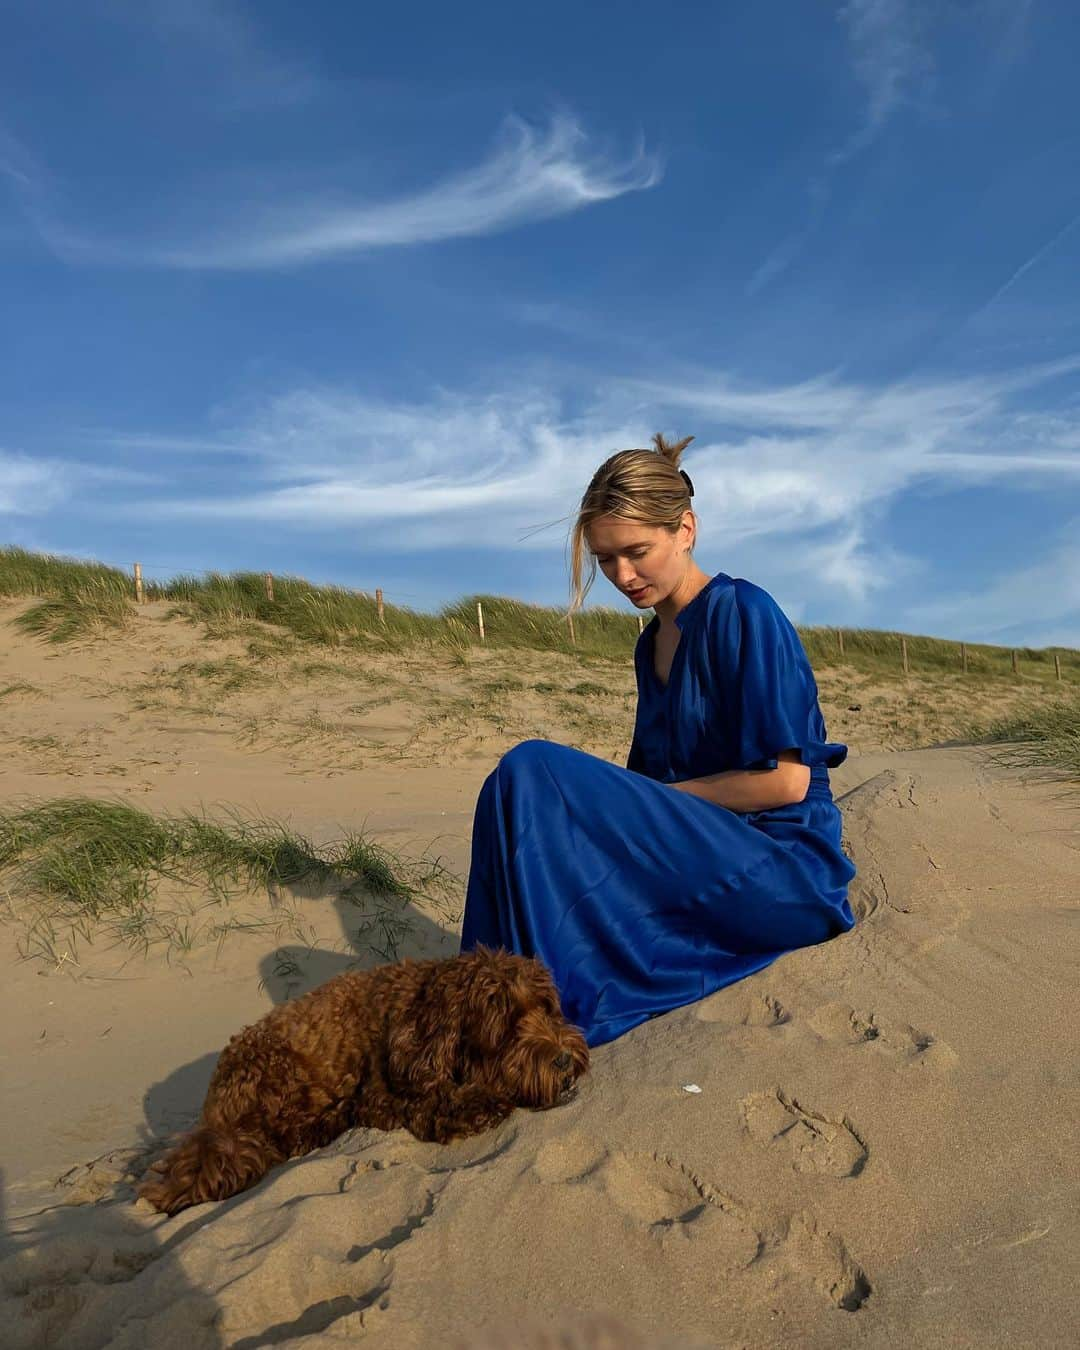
563, 1061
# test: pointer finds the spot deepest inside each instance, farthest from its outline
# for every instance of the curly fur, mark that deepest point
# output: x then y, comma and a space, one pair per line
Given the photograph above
445, 1048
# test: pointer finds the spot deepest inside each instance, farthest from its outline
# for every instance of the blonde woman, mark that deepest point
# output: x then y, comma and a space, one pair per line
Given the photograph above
717, 848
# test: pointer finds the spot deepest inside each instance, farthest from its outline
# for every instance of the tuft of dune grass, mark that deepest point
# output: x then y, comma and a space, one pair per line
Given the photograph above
26, 573
1038, 737
77, 598
96, 866
82, 611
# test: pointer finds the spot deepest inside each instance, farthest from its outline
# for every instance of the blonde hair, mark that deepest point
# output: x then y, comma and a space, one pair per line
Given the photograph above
643, 486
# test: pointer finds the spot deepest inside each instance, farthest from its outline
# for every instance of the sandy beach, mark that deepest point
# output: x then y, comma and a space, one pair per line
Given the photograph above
870, 1143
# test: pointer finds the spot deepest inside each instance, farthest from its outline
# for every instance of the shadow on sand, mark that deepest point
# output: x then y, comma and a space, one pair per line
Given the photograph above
71, 1273
89, 1276
286, 973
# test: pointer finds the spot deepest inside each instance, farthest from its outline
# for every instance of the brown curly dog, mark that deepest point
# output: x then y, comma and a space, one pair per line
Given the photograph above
445, 1048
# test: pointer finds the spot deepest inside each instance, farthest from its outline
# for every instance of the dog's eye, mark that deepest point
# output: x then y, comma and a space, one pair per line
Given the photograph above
562, 1061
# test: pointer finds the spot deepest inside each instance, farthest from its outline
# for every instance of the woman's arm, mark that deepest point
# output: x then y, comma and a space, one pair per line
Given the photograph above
753, 789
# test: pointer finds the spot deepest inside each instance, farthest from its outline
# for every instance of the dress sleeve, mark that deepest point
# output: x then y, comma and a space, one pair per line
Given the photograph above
773, 694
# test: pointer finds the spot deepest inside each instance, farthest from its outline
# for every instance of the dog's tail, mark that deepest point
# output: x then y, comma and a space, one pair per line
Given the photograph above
208, 1164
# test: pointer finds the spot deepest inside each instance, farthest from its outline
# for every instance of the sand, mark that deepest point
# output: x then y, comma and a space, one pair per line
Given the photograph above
872, 1142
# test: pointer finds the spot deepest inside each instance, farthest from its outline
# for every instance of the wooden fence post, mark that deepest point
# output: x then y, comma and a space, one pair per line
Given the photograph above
1057, 665
138, 584
963, 657
380, 610
1016, 668
840, 640
269, 586
903, 653
573, 635
480, 619
640, 624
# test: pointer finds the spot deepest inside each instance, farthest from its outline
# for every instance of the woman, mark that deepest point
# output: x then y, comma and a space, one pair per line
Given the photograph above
717, 848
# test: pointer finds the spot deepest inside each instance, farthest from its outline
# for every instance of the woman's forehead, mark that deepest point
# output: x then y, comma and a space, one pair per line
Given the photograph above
608, 535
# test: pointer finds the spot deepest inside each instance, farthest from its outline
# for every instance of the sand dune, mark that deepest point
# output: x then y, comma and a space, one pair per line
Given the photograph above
872, 1142
882, 1149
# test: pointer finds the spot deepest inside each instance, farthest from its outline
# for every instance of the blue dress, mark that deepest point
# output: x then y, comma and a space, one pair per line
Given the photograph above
640, 898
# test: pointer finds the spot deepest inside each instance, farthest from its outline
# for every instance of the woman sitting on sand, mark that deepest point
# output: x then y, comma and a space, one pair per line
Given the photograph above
717, 848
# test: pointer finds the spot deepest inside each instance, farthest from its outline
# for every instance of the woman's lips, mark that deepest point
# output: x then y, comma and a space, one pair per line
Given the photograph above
635, 594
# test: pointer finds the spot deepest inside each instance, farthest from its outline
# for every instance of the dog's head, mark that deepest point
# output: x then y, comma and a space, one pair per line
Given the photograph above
491, 1018
524, 1046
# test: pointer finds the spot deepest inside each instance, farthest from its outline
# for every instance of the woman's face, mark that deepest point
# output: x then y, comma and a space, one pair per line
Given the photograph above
645, 562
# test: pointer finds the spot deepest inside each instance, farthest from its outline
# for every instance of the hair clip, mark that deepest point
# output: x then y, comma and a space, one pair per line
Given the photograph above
686, 479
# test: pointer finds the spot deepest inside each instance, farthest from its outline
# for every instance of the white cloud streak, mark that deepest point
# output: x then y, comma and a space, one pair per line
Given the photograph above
889, 58
892, 63
531, 175
35, 485
235, 63
17, 164
1025, 267
803, 470
1043, 596
31, 486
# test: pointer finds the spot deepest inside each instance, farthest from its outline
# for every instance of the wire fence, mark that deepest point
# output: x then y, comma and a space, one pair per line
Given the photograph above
964, 654
333, 613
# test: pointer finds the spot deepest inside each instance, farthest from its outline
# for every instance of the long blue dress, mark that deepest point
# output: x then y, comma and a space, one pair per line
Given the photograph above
640, 898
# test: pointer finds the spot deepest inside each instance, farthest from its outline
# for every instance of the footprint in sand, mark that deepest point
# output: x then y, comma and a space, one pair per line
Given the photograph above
842, 1024
924, 1050
822, 1256
761, 1010
815, 1142
838, 1022
658, 1193
686, 1214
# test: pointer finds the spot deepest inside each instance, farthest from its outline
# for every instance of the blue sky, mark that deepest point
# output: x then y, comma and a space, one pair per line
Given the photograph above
365, 293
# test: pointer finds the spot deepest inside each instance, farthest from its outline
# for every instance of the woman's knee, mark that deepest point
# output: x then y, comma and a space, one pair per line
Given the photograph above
528, 755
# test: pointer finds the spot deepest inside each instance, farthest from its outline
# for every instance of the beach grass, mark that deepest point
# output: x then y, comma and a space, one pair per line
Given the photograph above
78, 599
92, 868
1047, 737
75, 599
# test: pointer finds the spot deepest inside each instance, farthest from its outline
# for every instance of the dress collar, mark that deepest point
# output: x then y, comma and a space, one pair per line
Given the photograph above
690, 606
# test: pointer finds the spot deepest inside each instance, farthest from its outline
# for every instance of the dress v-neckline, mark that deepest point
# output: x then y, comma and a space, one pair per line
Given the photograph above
680, 619
665, 685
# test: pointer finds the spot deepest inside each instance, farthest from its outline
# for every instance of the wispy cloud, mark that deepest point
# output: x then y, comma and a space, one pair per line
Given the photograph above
892, 63
1042, 597
804, 470
1040, 253
31, 486
17, 164
237, 65
36, 484
531, 175
891, 60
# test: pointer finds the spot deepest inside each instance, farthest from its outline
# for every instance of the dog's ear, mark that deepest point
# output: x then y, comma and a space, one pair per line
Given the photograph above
422, 1049
501, 990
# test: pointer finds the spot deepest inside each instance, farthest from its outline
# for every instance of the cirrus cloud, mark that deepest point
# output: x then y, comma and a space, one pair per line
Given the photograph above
530, 175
